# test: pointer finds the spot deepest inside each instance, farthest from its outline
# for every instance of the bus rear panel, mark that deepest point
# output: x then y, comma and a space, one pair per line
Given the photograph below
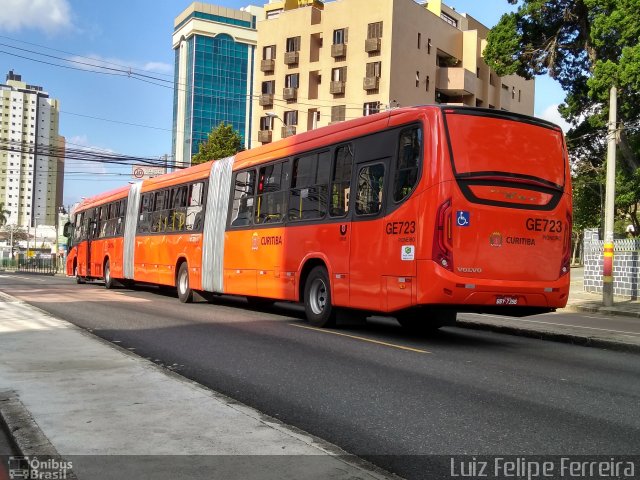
502, 226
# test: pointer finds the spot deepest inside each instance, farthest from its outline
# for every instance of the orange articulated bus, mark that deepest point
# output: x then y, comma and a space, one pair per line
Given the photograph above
419, 212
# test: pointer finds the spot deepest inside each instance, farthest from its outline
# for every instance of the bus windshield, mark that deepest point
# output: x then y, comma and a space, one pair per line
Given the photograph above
484, 144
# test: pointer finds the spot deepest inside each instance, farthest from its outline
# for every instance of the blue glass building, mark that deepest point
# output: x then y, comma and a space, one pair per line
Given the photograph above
214, 63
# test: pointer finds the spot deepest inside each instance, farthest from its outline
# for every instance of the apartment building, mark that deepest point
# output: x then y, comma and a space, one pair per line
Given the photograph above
31, 154
321, 63
214, 66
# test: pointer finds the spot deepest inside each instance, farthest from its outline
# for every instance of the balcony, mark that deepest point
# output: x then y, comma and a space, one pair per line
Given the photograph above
456, 81
339, 50
289, 93
371, 83
336, 88
268, 65
266, 99
264, 136
372, 45
288, 130
291, 58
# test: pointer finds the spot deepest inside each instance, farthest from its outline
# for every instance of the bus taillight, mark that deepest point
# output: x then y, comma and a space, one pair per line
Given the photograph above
566, 249
442, 239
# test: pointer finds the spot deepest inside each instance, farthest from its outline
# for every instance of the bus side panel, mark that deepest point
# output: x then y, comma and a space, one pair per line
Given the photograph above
239, 263
366, 264
328, 242
71, 257
156, 257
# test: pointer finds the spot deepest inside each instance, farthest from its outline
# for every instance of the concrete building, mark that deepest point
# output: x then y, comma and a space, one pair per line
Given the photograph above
323, 63
31, 154
214, 67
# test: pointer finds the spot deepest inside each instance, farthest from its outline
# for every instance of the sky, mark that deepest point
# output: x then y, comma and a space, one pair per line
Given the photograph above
118, 113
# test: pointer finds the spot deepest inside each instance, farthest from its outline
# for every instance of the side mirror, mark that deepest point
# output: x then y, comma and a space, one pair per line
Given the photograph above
68, 229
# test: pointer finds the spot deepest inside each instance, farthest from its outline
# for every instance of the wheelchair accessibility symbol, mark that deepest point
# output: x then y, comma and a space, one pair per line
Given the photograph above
462, 218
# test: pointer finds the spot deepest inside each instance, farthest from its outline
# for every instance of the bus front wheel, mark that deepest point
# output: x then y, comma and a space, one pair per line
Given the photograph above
185, 294
79, 279
317, 299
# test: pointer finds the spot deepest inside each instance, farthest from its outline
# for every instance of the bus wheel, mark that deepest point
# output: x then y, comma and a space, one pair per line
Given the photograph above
79, 279
185, 294
317, 299
109, 283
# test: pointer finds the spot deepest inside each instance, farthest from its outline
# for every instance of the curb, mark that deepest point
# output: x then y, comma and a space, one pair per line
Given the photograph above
552, 336
614, 311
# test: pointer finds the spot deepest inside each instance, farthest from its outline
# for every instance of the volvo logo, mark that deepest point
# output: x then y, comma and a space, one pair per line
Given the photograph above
470, 269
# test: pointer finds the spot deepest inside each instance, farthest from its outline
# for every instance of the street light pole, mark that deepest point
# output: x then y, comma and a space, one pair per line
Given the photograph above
609, 214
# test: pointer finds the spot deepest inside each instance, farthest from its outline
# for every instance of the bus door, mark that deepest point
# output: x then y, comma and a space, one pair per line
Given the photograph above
91, 231
401, 224
366, 260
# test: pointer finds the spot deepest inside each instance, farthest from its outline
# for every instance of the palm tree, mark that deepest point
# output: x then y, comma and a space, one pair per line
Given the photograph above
3, 214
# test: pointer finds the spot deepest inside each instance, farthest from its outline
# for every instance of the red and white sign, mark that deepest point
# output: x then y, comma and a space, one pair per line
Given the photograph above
146, 171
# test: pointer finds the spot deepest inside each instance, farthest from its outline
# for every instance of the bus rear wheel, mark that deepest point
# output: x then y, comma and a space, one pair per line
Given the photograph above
317, 299
185, 294
109, 282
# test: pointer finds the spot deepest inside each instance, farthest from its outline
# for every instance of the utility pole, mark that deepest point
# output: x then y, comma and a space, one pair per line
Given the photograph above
610, 195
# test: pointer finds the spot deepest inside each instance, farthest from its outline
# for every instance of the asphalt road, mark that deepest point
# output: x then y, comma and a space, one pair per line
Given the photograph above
373, 389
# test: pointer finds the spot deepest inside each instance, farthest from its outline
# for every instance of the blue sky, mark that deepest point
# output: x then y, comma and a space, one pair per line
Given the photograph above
135, 34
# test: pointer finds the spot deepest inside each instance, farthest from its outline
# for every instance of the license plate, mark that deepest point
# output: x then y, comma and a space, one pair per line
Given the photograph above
506, 300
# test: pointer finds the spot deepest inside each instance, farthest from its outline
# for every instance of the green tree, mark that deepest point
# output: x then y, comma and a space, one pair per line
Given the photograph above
223, 141
587, 46
3, 214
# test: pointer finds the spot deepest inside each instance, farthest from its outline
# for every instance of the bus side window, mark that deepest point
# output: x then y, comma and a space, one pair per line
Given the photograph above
79, 222
408, 162
242, 208
146, 211
341, 181
194, 207
270, 200
309, 185
370, 184
178, 212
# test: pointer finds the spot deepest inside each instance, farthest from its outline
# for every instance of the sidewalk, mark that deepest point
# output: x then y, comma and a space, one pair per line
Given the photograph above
112, 414
616, 327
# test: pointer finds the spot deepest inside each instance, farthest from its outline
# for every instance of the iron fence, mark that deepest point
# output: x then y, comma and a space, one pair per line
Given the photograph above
44, 266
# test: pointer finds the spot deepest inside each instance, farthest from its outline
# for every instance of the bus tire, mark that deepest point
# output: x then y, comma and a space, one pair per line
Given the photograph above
185, 294
109, 282
79, 279
317, 299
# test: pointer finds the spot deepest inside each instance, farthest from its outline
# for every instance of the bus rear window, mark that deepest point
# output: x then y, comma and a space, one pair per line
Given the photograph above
485, 145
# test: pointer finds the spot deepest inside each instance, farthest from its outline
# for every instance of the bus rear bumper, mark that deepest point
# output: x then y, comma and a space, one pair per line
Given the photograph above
438, 286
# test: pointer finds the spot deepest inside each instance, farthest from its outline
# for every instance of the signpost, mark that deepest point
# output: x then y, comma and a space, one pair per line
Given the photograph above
140, 172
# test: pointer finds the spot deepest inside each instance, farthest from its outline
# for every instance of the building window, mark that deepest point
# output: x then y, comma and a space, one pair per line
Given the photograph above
339, 74
292, 81
449, 19
374, 30
266, 123
338, 113
340, 36
373, 69
370, 108
429, 46
519, 95
427, 82
269, 53
293, 44
291, 117
269, 87
417, 78
419, 40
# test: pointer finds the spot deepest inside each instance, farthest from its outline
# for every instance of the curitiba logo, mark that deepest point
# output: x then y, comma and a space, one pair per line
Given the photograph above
495, 239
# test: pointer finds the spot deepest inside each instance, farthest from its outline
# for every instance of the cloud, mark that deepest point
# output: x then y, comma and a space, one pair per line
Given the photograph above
89, 62
48, 15
552, 115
